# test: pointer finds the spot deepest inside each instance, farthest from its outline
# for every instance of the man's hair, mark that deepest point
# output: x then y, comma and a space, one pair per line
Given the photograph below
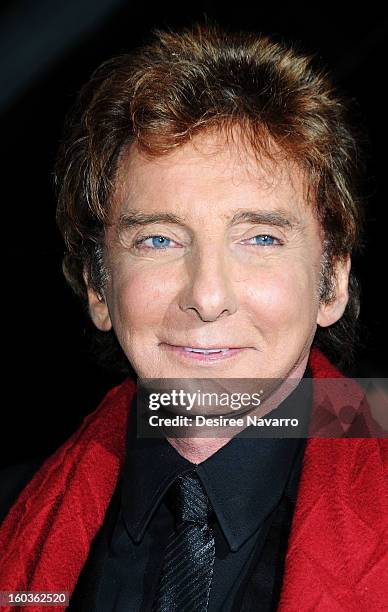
203, 78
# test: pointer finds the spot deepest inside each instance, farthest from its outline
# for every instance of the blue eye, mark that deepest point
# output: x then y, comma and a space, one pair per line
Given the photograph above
157, 242
264, 240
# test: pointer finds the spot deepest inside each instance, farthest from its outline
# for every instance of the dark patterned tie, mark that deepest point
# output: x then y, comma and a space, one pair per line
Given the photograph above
187, 568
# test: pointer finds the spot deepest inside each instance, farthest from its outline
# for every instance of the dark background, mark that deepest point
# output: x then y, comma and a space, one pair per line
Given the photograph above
48, 49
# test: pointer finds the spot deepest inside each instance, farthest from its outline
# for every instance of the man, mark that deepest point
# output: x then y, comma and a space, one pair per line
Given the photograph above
207, 199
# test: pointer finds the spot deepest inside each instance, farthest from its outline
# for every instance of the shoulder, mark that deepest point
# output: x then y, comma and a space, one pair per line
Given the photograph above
110, 416
13, 479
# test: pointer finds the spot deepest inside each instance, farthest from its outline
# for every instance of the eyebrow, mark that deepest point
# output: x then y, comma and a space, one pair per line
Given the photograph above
278, 218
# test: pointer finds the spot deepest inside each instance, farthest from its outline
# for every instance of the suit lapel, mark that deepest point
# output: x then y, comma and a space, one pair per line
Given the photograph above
84, 596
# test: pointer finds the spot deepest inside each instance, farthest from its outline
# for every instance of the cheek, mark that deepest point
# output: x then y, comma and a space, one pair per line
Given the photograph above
138, 299
284, 297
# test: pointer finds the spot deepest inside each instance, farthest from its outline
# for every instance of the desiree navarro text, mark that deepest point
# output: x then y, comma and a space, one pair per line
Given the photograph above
219, 421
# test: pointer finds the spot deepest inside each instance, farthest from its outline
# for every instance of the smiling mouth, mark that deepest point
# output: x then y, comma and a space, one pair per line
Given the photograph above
203, 353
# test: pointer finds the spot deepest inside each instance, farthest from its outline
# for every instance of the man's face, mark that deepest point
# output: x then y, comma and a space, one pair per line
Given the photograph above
233, 263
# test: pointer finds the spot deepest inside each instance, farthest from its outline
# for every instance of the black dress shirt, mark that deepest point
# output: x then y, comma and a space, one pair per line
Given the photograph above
245, 481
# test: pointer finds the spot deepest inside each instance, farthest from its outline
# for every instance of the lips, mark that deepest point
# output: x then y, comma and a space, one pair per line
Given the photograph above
208, 347
205, 351
199, 353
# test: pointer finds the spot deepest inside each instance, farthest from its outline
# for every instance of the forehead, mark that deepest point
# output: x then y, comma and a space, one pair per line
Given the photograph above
209, 176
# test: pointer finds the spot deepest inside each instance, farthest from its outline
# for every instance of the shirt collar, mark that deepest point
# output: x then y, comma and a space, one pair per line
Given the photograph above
244, 480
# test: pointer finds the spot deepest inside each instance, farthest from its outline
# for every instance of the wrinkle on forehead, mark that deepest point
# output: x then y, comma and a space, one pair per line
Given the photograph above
243, 163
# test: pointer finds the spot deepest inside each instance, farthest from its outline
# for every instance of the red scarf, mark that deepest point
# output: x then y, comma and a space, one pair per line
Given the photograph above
337, 557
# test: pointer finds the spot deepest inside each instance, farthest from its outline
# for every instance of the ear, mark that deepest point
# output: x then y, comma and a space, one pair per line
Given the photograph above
331, 312
98, 308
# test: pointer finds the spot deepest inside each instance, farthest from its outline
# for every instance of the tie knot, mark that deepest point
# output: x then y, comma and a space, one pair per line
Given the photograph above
188, 499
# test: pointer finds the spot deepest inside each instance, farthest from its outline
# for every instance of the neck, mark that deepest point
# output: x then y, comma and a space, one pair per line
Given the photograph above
198, 449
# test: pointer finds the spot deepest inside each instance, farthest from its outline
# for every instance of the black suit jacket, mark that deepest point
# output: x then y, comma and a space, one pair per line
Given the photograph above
255, 592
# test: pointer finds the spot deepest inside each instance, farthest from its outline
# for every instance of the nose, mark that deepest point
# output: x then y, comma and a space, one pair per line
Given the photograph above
208, 292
